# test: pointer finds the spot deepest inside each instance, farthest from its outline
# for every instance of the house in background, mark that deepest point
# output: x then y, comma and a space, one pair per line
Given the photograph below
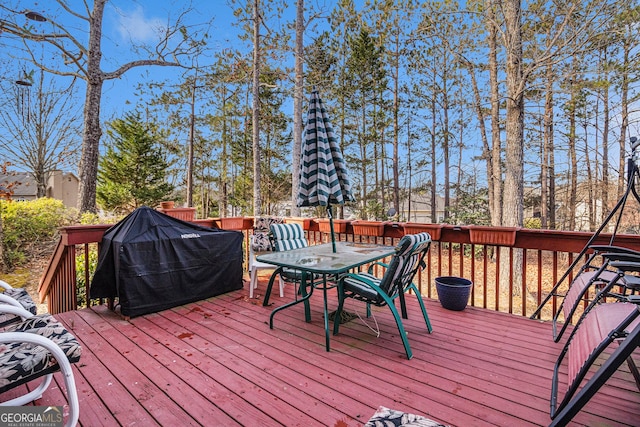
60, 185
418, 209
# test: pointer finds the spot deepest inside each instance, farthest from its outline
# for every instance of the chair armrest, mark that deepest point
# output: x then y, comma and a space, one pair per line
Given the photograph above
615, 249
33, 338
6, 299
5, 285
634, 299
17, 311
626, 266
382, 264
621, 256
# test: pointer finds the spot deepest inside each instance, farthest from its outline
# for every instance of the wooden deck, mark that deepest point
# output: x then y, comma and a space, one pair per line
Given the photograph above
217, 363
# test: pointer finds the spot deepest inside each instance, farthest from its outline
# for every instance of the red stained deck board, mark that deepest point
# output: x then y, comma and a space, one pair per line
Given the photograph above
108, 373
169, 383
368, 388
223, 364
478, 368
285, 370
381, 359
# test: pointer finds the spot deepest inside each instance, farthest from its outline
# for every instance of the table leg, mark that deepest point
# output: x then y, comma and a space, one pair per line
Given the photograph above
304, 299
267, 294
303, 291
326, 311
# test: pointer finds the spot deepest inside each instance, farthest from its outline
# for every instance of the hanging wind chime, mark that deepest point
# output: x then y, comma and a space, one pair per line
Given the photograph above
24, 97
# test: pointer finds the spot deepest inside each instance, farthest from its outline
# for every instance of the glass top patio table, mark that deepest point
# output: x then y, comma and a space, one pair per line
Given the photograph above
321, 260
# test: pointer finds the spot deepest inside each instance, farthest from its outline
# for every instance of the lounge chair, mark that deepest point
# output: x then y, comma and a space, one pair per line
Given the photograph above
18, 297
599, 328
34, 348
397, 280
596, 277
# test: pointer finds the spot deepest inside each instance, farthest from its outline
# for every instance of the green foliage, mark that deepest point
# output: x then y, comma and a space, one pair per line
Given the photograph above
28, 224
533, 223
81, 284
89, 218
133, 171
472, 207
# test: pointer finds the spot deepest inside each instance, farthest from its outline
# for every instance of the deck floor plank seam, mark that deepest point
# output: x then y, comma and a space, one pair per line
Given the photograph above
216, 362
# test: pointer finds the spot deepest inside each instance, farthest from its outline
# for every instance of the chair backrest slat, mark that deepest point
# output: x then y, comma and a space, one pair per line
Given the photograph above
405, 263
288, 236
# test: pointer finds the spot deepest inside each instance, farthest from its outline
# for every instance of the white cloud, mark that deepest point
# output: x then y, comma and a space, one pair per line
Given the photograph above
134, 26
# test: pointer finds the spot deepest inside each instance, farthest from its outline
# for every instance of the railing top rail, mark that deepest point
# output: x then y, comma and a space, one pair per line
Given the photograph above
552, 240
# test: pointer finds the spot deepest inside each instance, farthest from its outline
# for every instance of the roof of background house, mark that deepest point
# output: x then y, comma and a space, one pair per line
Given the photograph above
25, 184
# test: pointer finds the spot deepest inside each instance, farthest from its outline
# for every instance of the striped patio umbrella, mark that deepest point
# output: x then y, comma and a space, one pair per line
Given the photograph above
323, 173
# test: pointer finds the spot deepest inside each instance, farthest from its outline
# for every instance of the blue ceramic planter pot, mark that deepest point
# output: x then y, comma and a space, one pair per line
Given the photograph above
453, 292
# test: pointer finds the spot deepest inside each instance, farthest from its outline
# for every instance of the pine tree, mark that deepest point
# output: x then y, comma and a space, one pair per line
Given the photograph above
132, 173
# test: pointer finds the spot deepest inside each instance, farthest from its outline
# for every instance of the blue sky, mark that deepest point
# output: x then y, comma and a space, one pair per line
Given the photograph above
139, 21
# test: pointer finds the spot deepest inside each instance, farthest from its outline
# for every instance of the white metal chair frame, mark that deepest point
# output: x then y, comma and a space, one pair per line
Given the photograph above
56, 352
255, 266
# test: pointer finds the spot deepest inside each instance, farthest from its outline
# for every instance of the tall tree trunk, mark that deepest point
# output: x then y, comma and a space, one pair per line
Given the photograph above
545, 206
514, 165
297, 107
514, 149
88, 172
445, 146
591, 179
257, 195
396, 127
363, 155
605, 143
495, 204
624, 112
573, 161
192, 136
224, 171
434, 175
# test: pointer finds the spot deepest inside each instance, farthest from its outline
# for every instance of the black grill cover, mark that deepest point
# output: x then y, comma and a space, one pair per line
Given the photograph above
151, 262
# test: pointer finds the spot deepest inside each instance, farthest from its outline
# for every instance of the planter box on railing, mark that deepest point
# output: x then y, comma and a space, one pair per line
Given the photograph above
368, 228
434, 230
185, 214
339, 225
205, 222
236, 223
487, 235
304, 222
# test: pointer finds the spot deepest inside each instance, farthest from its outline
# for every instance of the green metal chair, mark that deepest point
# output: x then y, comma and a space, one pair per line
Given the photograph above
397, 280
285, 237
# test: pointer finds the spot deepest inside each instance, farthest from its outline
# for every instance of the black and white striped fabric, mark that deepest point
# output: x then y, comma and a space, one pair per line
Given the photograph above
288, 236
401, 271
323, 174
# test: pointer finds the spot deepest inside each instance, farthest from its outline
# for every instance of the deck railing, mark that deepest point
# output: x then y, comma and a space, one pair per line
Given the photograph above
488, 256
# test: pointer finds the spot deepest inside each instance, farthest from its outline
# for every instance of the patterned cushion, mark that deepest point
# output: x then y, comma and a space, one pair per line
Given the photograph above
385, 417
22, 362
261, 227
260, 242
22, 296
264, 223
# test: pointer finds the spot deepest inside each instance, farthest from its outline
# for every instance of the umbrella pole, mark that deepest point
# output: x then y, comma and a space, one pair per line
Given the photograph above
333, 236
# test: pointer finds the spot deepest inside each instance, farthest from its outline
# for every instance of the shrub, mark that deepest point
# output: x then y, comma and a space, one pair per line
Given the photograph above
533, 223
81, 284
29, 225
